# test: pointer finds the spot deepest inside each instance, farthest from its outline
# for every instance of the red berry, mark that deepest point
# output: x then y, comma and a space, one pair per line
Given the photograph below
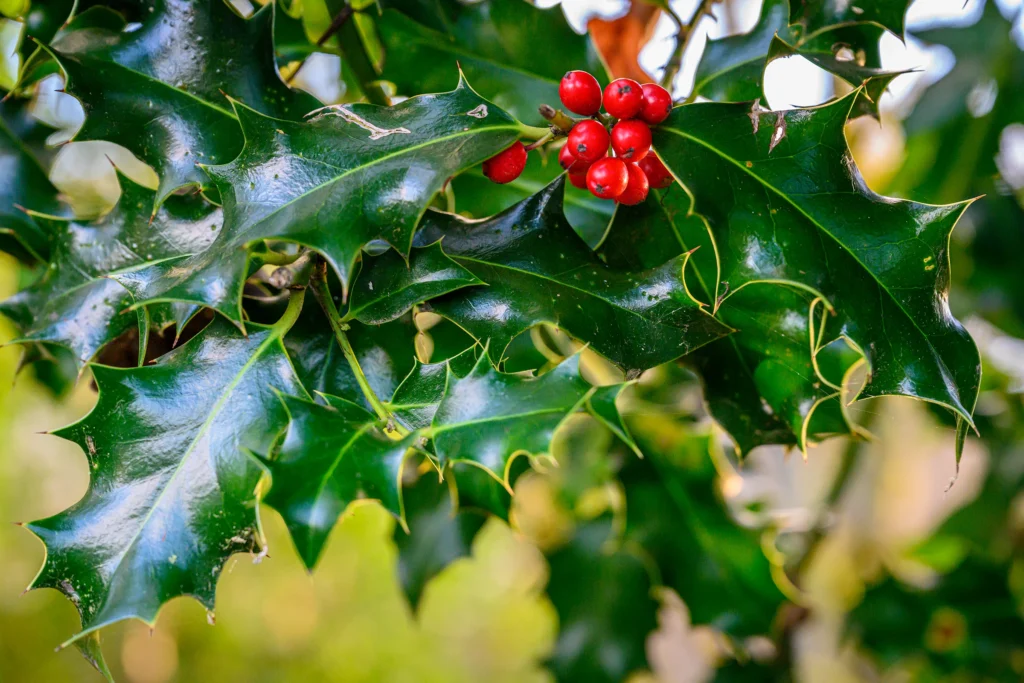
631, 140
588, 140
657, 175
580, 93
504, 167
623, 98
579, 180
568, 161
657, 104
637, 187
607, 178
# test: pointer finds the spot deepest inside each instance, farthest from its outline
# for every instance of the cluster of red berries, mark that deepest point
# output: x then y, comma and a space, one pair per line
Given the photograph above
628, 176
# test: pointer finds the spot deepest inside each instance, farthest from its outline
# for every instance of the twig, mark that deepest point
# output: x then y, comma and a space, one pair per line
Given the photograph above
683, 37
318, 283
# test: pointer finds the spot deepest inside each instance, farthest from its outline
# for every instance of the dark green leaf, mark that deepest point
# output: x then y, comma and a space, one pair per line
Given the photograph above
649, 234
416, 399
386, 354
605, 609
172, 492
496, 42
25, 185
488, 417
786, 203
331, 455
767, 383
602, 405
76, 304
388, 287
350, 175
160, 89
538, 270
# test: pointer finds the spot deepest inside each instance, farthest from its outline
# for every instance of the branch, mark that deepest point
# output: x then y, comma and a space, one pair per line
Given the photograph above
683, 37
318, 283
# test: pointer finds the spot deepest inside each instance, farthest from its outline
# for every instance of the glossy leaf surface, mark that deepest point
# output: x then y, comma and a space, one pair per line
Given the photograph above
172, 492
385, 352
786, 202
76, 304
488, 417
349, 175
388, 287
25, 184
538, 270
161, 88
496, 44
416, 399
330, 456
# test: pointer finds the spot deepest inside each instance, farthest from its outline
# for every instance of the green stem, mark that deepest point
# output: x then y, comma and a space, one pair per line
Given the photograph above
291, 313
683, 37
533, 132
537, 143
318, 283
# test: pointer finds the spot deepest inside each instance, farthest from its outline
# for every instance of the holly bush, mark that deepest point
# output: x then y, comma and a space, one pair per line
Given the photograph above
394, 295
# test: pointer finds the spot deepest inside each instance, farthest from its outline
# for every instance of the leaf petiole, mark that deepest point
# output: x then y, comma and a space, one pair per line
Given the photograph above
318, 283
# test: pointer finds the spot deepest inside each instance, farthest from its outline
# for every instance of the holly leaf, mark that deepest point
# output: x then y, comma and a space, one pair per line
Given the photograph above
25, 186
172, 492
776, 340
160, 88
731, 68
76, 304
605, 605
351, 174
331, 455
494, 42
388, 286
386, 353
776, 381
416, 399
488, 417
818, 15
538, 270
808, 219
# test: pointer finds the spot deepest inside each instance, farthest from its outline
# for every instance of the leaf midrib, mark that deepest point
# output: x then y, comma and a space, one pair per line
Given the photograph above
822, 228
214, 413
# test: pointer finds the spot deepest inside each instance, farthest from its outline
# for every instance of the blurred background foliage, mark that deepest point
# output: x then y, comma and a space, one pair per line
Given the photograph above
862, 563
